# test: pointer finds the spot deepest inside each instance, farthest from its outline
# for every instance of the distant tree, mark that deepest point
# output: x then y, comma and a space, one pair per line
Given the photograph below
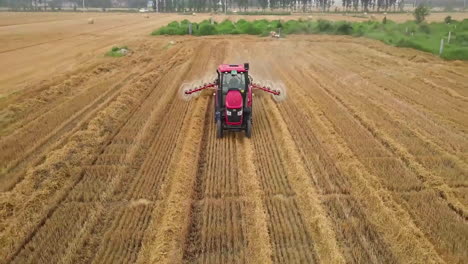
322, 4
243, 4
303, 4
263, 4
79, 3
355, 4
365, 5
380, 5
220, 5
20, 4
55, 4
420, 13
401, 5
5, 3
346, 4
448, 19
449, 5
136, 3
99, 3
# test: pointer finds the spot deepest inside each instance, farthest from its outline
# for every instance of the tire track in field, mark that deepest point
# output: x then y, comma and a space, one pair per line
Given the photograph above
260, 248
217, 232
292, 242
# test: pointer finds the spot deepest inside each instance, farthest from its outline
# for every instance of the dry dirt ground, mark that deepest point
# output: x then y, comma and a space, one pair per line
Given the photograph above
101, 162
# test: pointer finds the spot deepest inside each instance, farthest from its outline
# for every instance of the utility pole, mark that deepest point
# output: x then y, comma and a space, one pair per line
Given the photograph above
225, 7
83, 6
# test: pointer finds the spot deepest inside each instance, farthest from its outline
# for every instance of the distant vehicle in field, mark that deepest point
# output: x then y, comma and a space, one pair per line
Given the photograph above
143, 10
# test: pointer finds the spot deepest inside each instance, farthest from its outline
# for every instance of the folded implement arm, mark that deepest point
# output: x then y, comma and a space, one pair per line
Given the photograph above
201, 88
264, 88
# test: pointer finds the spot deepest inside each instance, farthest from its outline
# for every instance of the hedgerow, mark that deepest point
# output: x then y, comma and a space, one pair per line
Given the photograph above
422, 36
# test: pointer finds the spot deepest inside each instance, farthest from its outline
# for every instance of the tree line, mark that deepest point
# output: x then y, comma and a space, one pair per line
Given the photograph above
54, 4
290, 5
57, 4
222, 5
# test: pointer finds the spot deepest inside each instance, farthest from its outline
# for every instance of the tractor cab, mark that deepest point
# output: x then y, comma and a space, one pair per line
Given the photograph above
233, 77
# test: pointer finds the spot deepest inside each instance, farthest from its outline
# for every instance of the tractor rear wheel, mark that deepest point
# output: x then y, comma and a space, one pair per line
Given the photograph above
219, 129
248, 129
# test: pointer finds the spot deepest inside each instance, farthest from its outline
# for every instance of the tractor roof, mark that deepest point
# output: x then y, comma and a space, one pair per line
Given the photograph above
231, 67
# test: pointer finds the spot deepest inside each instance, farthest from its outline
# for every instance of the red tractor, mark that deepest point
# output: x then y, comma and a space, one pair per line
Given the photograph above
233, 98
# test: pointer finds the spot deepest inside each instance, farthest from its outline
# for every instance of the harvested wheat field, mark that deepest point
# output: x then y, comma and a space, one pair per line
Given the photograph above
366, 161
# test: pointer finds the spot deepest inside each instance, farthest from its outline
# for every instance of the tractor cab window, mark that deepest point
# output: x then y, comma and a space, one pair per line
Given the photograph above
233, 81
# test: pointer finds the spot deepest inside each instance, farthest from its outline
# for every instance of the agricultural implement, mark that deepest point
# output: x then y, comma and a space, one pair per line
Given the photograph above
233, 98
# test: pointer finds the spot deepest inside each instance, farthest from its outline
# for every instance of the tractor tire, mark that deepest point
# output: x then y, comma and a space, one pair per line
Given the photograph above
248, 129
219, 129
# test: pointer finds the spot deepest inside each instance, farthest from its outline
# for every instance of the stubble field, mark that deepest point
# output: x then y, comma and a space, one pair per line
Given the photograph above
101, 162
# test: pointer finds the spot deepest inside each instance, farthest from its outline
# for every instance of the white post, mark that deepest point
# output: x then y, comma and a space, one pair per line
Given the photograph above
449, 37
441, 46
225, 7
83, 6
